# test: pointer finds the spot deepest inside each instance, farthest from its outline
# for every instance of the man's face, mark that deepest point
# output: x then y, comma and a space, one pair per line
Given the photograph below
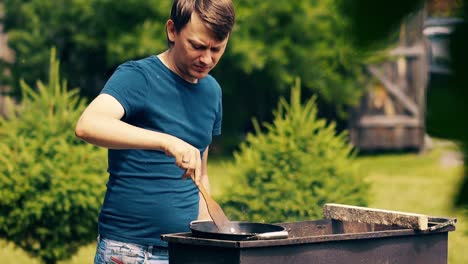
196, 51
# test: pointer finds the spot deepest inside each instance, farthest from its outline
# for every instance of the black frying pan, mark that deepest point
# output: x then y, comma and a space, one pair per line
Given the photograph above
238, 231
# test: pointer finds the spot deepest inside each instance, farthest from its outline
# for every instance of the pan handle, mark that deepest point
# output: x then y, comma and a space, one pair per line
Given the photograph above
269, 235
199, 221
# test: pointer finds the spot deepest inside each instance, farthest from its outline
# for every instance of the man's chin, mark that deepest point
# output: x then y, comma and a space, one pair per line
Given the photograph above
200, 75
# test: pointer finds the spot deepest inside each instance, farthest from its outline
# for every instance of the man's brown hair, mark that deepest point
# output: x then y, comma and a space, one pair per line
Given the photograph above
218, 15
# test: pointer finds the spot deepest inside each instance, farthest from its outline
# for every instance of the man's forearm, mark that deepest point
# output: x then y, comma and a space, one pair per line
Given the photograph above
115, 134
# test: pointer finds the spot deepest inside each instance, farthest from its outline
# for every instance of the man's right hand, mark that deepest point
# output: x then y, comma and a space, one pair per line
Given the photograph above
187, 157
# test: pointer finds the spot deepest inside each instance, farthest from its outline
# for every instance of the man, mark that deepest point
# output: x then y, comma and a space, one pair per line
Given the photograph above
157, 117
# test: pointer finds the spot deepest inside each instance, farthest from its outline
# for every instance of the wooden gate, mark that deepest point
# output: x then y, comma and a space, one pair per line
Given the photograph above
391, 115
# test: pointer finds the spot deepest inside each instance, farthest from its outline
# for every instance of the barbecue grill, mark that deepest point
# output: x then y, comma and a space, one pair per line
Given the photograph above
322, 241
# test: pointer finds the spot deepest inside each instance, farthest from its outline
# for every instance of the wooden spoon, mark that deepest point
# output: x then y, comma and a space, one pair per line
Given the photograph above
216, 212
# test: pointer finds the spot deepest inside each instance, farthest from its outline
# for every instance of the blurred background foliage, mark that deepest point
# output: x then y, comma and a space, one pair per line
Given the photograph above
289, 171
91, 36
52, 182
272, 42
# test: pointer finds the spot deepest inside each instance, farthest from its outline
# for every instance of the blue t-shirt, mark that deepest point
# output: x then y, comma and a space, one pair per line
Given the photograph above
146, 196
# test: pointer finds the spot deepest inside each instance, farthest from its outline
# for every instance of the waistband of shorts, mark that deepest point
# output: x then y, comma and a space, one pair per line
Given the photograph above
149, 248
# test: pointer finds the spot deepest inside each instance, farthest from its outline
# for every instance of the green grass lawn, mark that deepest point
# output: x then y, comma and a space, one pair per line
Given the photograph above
418, 183
423, 184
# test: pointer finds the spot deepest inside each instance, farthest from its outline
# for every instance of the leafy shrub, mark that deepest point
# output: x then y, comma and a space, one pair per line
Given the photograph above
51, 183
288, 171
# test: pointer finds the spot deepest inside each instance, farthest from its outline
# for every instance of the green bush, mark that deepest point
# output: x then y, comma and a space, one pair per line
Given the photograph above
51, 183
288, 171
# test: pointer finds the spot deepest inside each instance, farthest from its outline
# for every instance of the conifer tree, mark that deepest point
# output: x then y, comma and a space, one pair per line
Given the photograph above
288, 169
51, 183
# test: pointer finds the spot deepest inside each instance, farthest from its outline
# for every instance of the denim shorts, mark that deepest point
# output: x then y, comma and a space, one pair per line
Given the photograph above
115, 252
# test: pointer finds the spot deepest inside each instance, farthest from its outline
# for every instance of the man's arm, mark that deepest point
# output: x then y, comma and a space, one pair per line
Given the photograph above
203, 210
101, 125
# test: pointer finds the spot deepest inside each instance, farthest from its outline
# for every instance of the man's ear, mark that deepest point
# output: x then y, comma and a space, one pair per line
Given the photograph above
171, 30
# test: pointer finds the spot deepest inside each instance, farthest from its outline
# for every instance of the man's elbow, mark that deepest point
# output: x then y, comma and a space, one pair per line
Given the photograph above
81, 130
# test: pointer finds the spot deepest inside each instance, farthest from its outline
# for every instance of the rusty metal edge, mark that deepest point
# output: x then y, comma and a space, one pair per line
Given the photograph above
186, 238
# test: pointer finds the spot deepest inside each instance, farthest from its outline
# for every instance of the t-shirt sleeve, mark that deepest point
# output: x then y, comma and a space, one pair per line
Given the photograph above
129, 86
219, 115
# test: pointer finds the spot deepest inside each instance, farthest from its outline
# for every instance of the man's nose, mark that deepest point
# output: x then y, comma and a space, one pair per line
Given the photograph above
205, 57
